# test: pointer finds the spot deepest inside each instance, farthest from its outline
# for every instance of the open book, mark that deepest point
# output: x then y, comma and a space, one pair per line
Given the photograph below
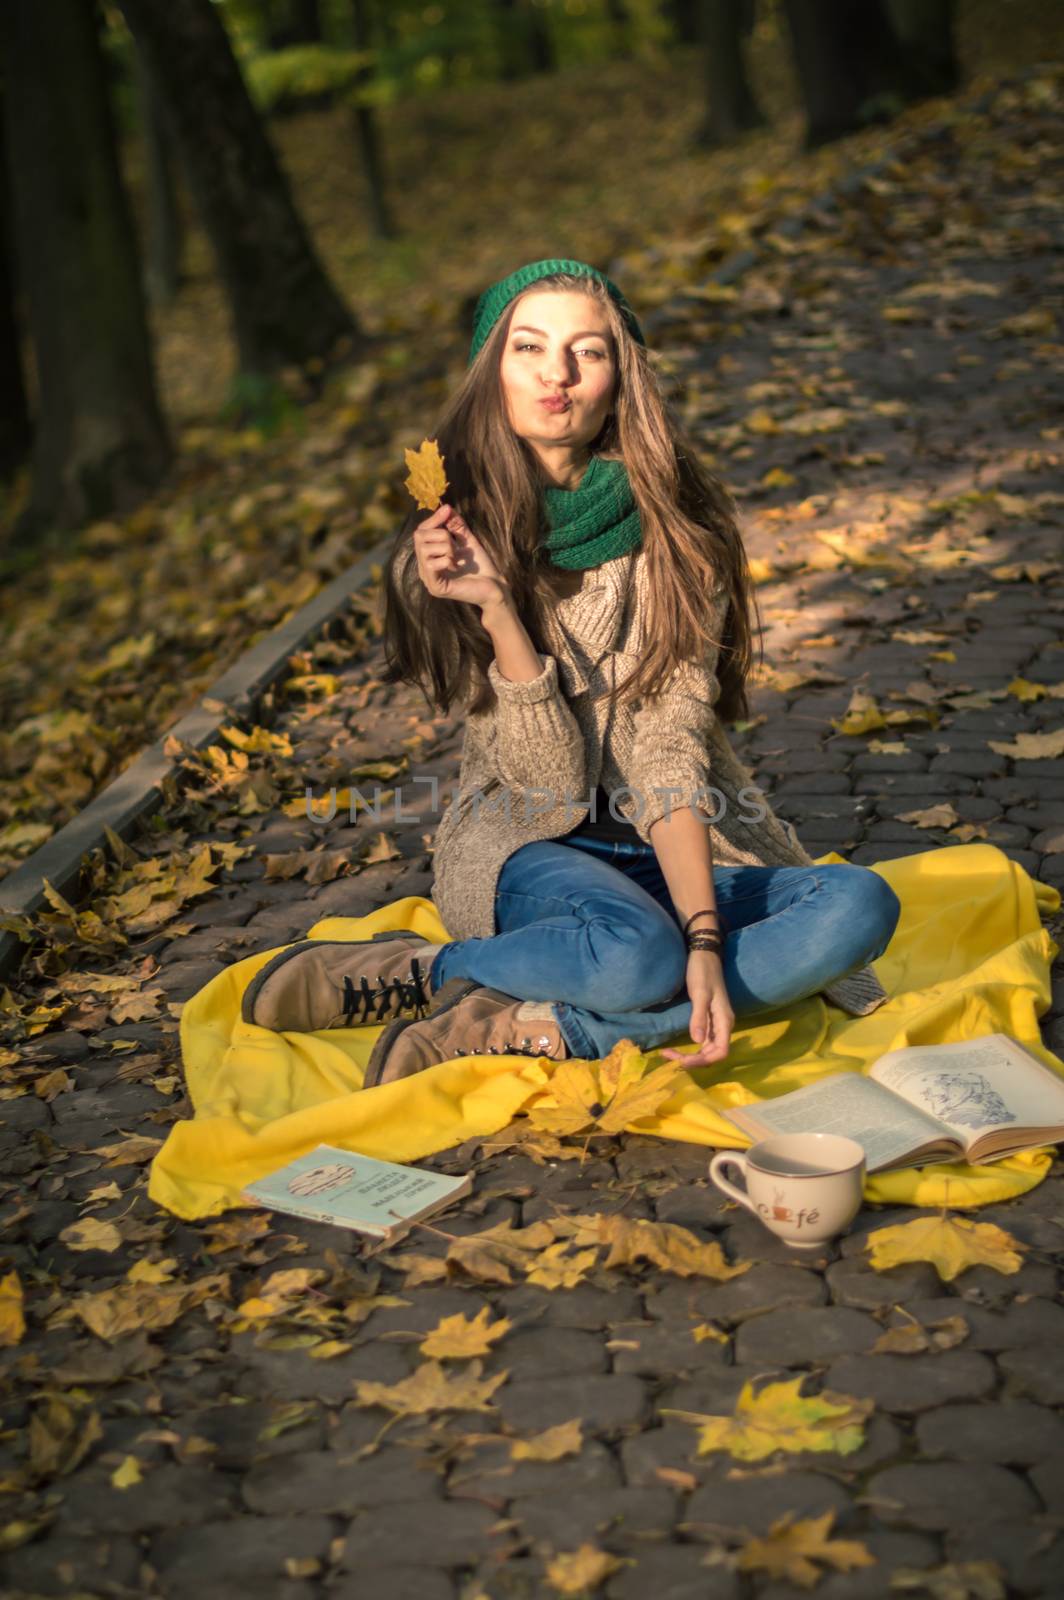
971, 1101
379, 1198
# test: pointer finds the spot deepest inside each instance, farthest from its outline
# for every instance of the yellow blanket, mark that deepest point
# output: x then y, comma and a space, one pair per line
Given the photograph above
969, 957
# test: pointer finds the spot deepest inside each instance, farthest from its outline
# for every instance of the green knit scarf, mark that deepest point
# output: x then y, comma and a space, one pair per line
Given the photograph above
594, 522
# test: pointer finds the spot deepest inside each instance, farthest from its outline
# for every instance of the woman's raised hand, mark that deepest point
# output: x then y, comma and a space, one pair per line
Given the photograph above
451, 561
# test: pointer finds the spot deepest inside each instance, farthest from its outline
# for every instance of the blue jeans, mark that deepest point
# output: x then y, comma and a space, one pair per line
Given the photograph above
590, 925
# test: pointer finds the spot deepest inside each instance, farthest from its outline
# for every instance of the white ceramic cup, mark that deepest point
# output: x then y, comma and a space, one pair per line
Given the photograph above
805, 1187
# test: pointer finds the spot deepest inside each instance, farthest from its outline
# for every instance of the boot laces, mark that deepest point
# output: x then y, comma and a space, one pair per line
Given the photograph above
387, 997
525, 1048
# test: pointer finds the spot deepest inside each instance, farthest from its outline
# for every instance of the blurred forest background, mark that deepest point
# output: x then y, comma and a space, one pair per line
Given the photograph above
241, 244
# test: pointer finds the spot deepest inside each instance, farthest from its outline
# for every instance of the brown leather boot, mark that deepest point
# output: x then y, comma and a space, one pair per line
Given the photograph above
341, 983
465, 1020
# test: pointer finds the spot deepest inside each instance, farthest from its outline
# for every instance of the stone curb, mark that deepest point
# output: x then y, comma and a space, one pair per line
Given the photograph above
139, 787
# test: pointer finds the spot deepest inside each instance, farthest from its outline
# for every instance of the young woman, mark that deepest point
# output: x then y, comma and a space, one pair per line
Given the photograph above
606, 869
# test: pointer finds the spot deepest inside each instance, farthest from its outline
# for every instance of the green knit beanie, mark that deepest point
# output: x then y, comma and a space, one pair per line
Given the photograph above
497, 297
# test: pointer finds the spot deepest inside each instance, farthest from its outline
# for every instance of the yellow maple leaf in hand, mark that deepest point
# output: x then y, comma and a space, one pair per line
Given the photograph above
777, 1417
951, 1244
427, 479
609, 1094
792, 1550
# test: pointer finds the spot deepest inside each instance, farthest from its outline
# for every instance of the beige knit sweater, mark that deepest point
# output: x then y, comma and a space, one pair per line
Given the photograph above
530, 762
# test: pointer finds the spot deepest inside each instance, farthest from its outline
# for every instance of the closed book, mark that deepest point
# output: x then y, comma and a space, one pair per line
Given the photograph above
381, 1199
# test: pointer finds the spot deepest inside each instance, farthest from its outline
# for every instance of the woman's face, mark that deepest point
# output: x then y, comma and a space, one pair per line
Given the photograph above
558, 348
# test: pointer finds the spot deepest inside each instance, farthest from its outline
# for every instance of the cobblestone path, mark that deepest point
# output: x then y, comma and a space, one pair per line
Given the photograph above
882, 397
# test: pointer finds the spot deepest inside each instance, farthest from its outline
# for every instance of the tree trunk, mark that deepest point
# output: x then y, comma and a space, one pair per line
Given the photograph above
16, 429
165, 235
732, 109
100, 441
851, 66
294, 22
526, 44
684, 15
926, 30
284, 309
365, 119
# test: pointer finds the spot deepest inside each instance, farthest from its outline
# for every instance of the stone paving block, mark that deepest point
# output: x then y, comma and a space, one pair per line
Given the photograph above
583, 1307
168, 1496
443, 1533
1030, 1553
669, 1348
331, 1483
1048, 1479
241, 1433
607, 1402
611, 1517
949, 1494
803, 1336
393, 1583
763, 1288
906, 1384
755, 1503
107, 1561
491, 1473
243, 1549
425, 1307
1027, 1322
693, 1207
1011, 1432
747, 1239
713, 1391
853, 1284
1036, 1370
292, 1375
892, 1550
550, 1352
674, 1572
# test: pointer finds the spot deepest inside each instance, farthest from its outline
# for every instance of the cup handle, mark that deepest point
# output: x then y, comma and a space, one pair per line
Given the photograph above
730, 1158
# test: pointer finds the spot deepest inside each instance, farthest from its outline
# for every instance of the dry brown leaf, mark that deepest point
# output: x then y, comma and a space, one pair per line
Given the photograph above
91, 1234
913, 1339
554, 1268
112, 1313
798, 1551
457, 1338
955, 1580
1032, 746
579, 1572
427, 479
951, 1244
551, 1445
60, 1437
862, 715
12, 1311
667, 1245
432, 1388
495, 1253
941, 816
779, 1417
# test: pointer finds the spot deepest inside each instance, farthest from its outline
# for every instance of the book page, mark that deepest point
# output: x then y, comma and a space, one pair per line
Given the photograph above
976, 1086
850, 1104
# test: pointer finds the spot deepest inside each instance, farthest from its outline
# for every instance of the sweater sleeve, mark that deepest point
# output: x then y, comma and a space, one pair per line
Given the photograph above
670, 749
538, 741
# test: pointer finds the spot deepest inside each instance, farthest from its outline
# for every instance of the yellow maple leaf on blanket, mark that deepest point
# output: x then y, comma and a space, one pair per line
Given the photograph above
609, 1094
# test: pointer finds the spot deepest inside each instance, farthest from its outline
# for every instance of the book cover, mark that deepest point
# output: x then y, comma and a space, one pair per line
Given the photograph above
355, 1191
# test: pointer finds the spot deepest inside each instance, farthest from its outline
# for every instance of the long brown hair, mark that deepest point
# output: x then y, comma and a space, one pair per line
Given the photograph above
689, 521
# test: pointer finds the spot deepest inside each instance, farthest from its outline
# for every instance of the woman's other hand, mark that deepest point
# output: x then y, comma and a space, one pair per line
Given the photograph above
712, 1018
452, 563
